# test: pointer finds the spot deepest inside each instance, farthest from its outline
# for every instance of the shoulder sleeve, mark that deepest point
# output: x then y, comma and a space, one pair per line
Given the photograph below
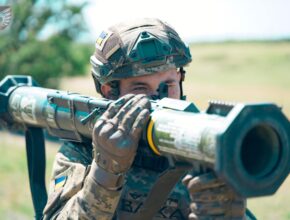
72, 193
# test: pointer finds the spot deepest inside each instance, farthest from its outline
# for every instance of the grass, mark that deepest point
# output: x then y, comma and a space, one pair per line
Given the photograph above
273, 207
15, 197
240, 72
244, 72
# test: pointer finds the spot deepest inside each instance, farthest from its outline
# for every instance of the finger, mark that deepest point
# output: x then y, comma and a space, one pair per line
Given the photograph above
139, 123
107, 127
230, 209
237, 209
116, 106
193, 216
106, 131
209, 209
97, 127
222, 194
109, 124
132, 115
186, 179
204, 181
128, 106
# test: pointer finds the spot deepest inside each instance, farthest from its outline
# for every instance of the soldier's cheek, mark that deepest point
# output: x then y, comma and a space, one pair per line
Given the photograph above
174, 93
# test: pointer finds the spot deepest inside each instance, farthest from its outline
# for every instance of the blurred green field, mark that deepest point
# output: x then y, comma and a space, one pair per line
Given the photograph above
234, 72
245, 72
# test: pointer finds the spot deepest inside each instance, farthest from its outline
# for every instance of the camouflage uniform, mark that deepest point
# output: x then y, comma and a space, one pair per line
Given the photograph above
79, 197
125, 50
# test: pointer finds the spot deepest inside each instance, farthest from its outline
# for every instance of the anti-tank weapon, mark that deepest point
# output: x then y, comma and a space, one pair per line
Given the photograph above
248, 145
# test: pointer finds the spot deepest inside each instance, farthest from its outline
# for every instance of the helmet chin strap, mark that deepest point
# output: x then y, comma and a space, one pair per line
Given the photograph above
182, 72
115, 90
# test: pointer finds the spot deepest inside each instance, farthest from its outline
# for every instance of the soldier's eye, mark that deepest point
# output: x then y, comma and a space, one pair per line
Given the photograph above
139, 88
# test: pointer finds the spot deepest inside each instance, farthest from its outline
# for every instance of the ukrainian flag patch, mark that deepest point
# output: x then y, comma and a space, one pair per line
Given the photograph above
59, 182
104, 36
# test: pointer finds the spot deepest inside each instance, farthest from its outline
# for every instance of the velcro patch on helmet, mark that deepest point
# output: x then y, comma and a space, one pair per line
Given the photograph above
112, 51
101, 40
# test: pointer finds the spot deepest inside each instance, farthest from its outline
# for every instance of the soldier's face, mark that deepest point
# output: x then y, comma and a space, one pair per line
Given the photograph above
149, 84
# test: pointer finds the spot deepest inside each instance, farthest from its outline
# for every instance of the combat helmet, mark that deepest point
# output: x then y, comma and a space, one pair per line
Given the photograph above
137, 48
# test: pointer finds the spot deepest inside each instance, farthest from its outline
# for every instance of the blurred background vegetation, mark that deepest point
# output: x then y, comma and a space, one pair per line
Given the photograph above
245, 71
42, 39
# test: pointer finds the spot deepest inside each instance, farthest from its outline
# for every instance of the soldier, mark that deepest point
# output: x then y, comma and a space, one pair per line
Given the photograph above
117, 177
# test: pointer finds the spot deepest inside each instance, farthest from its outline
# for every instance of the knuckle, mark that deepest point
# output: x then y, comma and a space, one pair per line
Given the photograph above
97, 126
139, 96
145, 102
112, 106
102, 134
124, 109
142, 120
128, 96
146, 114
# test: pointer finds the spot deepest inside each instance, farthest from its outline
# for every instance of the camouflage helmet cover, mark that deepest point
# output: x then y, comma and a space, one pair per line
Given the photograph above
142, 47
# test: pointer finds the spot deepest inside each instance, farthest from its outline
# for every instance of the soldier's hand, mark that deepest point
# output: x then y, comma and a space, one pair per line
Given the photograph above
117, 132
213, 199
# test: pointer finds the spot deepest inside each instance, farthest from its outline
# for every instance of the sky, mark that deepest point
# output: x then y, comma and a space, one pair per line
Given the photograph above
199, 20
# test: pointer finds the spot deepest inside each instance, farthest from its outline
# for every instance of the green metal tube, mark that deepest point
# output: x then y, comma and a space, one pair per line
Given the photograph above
187, 136
61, 113
248, 145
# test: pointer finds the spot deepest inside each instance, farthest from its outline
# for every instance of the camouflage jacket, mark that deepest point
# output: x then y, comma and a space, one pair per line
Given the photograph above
74, 195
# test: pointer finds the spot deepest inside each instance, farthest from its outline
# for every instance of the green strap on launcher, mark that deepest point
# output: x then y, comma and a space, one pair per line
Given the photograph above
34, 138
35, 151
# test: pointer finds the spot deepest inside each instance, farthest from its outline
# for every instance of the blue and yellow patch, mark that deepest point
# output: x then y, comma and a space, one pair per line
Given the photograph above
104, 36
101, 38
59, 182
